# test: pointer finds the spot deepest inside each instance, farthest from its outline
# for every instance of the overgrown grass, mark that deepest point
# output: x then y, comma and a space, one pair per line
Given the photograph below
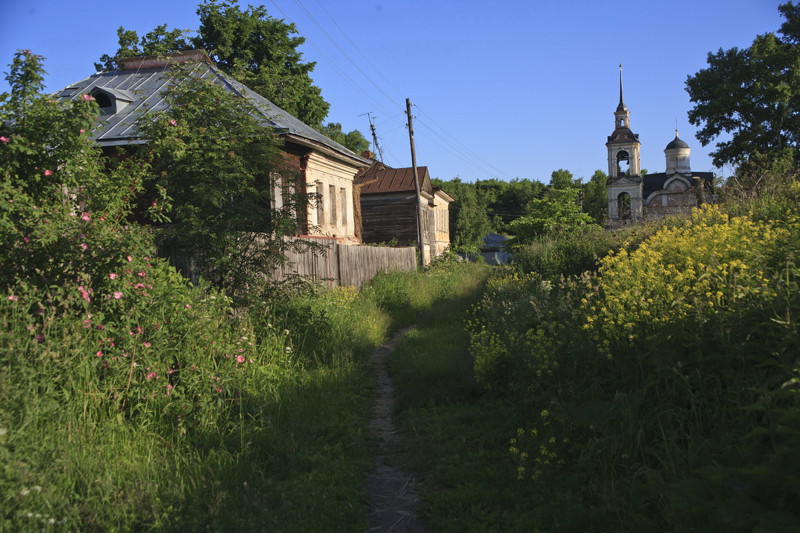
661, 392
247, 421
457, 436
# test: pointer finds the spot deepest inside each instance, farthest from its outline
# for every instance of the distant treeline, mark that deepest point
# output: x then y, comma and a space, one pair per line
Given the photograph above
491, 205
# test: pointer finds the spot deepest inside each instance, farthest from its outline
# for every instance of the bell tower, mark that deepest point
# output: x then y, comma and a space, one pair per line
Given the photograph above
624, 183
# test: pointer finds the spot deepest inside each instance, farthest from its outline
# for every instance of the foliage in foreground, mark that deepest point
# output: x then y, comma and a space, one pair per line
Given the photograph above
666, 387
163, 409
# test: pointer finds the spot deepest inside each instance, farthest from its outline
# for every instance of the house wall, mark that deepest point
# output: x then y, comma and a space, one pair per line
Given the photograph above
332, 180
441, 214
389, 216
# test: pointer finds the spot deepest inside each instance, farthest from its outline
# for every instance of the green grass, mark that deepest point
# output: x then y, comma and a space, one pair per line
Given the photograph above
283, 447
457, 438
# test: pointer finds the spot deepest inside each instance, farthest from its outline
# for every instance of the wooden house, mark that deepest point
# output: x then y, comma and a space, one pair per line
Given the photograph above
324, 167
389, 208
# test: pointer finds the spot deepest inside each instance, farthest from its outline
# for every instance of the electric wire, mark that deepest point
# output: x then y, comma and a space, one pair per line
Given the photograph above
445, 141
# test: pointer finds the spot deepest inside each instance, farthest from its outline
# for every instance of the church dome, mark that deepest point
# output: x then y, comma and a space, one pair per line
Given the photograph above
676, 143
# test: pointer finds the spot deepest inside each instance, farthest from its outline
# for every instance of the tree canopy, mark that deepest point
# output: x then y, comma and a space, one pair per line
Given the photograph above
748, 100
353, 140
561, 179
559, 210
469, 219
215, 168
253, 47
595, 197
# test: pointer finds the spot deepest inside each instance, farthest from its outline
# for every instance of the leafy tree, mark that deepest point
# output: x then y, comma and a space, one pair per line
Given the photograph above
469, 220
353, 141
215, 167
751, 96
261, 52
158, 42
45, 146
508, 200
62, 205
557, 211
250, 45
595, 197
561, 179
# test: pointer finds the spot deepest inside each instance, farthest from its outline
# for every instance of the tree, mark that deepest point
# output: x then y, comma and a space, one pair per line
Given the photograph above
158, 42
561, 179
62, 205
752, 96
256, 49
469, 219
215, 168
558, 211
353, 141
595, 197
508, 200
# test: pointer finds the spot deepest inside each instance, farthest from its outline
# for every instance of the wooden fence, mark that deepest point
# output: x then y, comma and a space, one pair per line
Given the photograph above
336, 264
346, 265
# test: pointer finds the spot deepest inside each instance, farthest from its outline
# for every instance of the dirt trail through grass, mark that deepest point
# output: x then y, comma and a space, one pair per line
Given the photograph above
393, 492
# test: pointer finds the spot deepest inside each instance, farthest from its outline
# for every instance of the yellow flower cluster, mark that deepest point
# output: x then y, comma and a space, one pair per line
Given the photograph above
685, 274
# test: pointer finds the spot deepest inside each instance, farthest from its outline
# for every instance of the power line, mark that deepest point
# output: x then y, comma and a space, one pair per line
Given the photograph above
335, 43
357, 49
447, 142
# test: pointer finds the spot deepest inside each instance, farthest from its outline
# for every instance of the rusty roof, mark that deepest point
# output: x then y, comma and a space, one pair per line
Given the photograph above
380, 179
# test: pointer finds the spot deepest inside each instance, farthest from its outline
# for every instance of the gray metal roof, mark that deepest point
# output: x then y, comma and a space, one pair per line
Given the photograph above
139, 91
676, 143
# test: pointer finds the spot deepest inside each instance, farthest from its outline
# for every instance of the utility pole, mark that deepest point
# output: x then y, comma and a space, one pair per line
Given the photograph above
375, 138
378, 149
420, 232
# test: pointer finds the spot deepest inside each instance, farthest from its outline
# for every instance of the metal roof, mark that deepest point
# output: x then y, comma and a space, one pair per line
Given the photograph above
381, 179
142, 90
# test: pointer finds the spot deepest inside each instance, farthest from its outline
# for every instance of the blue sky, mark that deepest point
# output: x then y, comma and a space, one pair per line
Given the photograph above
501, 89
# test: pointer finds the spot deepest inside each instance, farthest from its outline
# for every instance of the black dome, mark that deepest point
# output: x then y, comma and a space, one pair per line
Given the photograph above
676, 143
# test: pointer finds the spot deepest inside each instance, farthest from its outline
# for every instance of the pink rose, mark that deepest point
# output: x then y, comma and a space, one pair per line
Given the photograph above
48, 172
4, 139
117, 295
240, 359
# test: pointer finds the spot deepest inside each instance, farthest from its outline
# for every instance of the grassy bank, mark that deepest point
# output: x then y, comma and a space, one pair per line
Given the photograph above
168, 411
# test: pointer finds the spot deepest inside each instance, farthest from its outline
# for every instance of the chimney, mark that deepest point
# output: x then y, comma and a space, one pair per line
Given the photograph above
189, 56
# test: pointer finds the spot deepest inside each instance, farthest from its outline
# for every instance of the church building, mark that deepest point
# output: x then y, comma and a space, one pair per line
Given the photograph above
632, 195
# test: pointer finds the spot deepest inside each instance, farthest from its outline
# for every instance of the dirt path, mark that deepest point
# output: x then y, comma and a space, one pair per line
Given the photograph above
392, 491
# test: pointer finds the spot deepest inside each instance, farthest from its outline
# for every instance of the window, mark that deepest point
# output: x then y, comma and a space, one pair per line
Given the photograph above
104, 102
343, 202
320, 204
623, 163
624, 204
332, 200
